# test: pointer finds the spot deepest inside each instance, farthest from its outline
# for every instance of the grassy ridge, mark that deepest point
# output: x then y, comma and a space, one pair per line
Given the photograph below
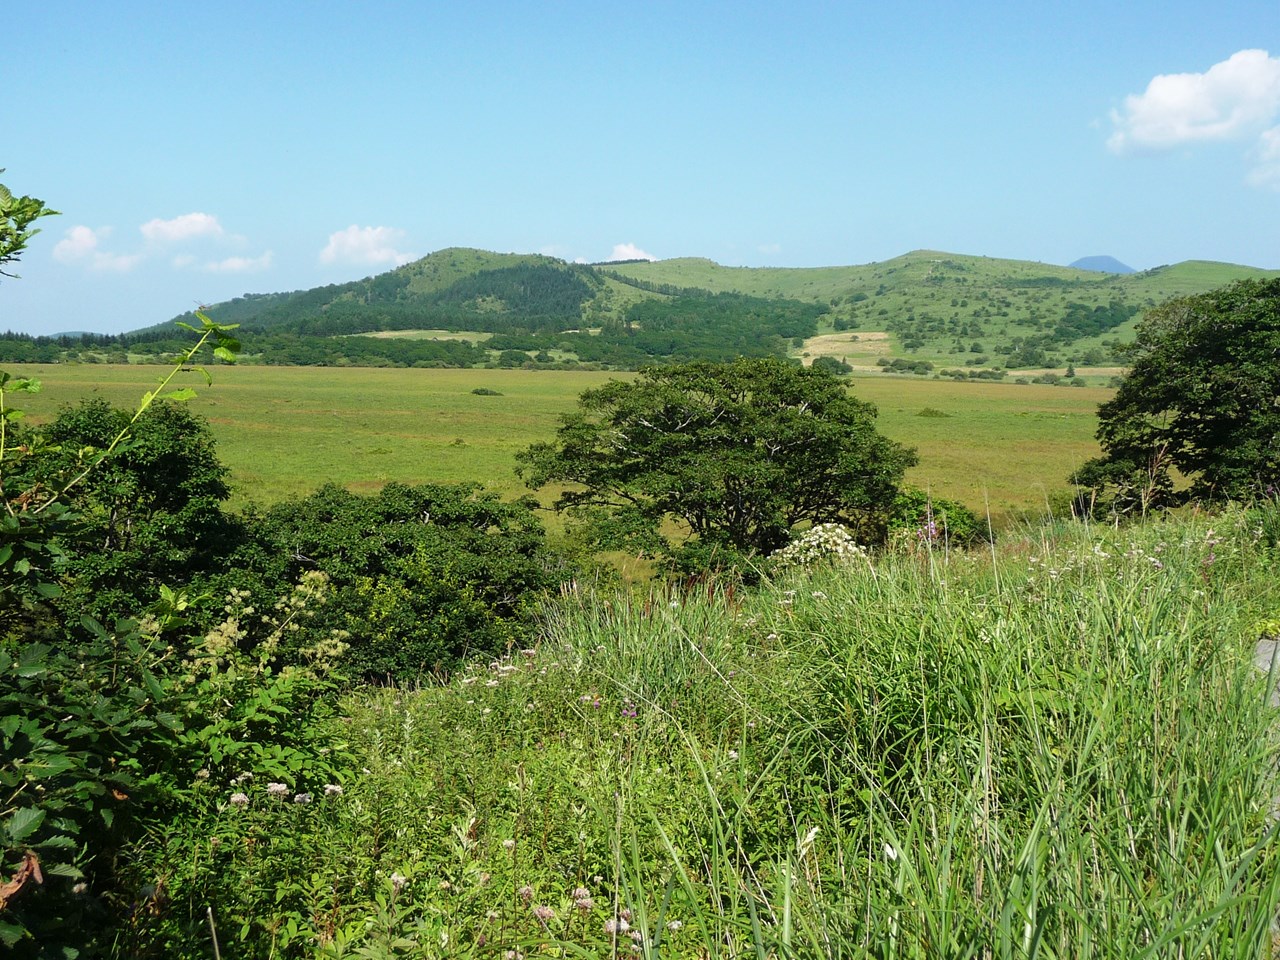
284, 430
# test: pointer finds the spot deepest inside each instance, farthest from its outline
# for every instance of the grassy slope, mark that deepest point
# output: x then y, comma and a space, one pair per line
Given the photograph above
1006, 298
441, 269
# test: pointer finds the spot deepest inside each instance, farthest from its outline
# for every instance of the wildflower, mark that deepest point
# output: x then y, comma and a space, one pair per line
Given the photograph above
302, 798
733, 754
674, 925
618, 925
525, 893
628, 709
239, 799
468, 680
544, 913
508, 845
398, 881
80, 888
580, 892
491, 683
818, 595
583, 903
277, 789
332, 790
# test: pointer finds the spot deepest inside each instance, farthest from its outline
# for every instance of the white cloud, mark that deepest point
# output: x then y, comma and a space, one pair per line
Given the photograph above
768, 248
81, 245
365, 245
240, 264
629, 251
1234, 99
80, 242
180, 228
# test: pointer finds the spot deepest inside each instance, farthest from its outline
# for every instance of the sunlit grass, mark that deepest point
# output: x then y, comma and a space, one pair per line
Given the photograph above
1057, 749
284, 430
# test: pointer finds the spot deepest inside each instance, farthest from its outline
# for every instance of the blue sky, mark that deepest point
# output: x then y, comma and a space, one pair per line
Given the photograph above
201, 151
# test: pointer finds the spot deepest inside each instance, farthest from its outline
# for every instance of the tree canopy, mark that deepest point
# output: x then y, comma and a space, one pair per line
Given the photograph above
1199, 401
735, 453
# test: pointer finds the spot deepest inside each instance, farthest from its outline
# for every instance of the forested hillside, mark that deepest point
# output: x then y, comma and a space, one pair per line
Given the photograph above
461, 308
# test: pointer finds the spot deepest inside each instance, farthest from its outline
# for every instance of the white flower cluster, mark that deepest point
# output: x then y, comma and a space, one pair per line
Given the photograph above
825, 542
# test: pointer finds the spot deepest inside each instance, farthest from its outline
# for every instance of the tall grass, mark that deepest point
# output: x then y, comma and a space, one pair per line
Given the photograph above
1057, 749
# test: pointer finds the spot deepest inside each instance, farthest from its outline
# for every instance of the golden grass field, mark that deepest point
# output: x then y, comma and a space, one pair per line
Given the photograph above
285, 430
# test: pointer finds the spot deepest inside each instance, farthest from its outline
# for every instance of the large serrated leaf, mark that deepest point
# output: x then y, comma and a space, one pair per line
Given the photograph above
24, 823
68, 870
11, 933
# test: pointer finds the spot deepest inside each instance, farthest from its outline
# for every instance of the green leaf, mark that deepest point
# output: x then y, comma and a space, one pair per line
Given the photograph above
24, 823
181, 395
11, 933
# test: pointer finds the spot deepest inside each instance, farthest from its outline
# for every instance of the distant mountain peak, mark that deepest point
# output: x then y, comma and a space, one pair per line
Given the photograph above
1102, 265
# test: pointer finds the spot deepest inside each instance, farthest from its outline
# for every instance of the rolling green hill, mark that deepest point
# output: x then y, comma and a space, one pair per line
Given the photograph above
925, 312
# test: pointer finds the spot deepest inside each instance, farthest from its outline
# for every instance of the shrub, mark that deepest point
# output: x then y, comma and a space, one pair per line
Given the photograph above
924, 520
421, 577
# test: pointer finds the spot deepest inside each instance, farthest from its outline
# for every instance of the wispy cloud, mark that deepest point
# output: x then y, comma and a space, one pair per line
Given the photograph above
240, 264
1237, 99
371, 246
184, 227
1265, 157
82, 245
629, 251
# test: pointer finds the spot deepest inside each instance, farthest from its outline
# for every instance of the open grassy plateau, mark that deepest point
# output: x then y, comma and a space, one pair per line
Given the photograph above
285, 430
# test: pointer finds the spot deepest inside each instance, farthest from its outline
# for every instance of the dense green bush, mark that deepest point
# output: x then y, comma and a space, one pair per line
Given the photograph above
925, 520
149, 515
421, 577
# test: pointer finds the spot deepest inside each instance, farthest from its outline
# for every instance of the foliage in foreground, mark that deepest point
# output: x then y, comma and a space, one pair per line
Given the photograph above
1061, 751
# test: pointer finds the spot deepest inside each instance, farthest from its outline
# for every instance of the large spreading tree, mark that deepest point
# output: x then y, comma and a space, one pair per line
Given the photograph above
730, 455
1201, 401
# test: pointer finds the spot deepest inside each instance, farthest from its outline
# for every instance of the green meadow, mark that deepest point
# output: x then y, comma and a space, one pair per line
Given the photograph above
284, 430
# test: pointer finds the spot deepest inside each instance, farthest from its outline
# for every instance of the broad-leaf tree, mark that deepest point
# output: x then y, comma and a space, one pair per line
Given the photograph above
17, 214
1201, 400
735, 454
